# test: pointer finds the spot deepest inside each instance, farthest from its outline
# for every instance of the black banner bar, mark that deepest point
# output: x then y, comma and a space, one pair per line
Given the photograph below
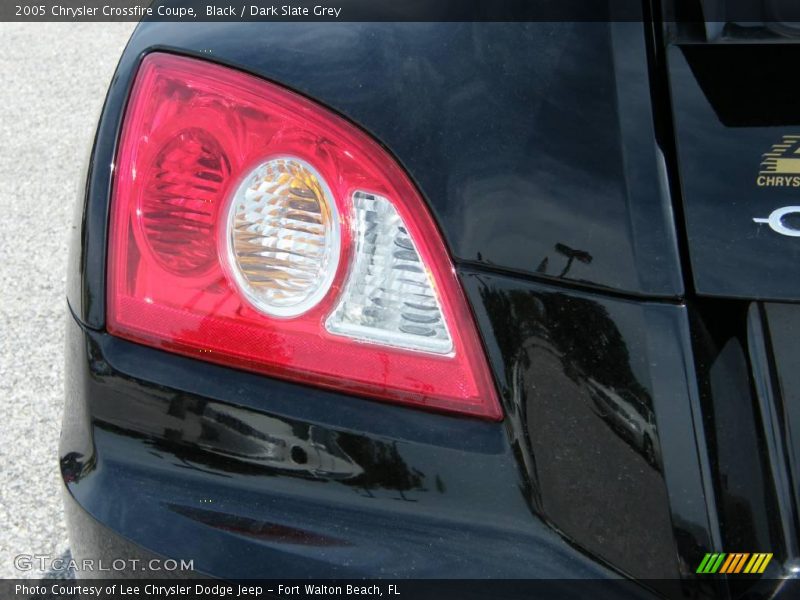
401, 589
187, 589
188, 11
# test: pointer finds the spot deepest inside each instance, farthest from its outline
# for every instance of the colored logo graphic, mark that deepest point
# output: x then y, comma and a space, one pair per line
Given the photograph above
781, 165
737, 562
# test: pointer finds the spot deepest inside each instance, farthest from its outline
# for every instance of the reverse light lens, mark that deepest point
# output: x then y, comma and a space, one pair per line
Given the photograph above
389, 296
253, 228
283, 232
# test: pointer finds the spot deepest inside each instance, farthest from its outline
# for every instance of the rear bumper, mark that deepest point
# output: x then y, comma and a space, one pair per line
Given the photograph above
255, 478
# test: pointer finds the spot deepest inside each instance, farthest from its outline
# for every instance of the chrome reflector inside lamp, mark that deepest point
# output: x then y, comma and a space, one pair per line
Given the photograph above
389, 297
283, 237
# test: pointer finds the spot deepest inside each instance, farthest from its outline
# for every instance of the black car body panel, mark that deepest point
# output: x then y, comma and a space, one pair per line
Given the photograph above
645, 423
582, 376
252, 478
779, 380
732, 107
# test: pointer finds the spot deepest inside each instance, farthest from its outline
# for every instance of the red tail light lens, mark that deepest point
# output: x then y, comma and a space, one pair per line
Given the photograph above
251, 227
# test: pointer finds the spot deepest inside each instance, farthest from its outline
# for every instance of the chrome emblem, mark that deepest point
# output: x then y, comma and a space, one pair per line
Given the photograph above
775, 221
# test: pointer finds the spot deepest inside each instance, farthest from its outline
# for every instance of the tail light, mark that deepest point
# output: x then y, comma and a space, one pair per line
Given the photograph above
253, 228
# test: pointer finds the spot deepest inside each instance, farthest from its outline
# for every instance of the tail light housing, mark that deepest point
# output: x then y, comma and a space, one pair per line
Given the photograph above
253, 228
